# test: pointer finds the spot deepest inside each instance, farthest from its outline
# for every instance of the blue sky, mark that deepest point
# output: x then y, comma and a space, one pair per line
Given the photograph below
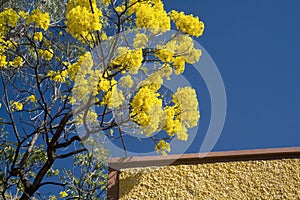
256, 46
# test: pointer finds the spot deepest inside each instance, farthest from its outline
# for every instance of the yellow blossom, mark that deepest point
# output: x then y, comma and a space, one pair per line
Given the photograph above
23, 14
187, 23
111, 132
165, 55
148, 13
113, 98
162, 146
85, 62
17, 106
186, 100
80, 19
177, 52
32, 98
38, 36
129, 59
3, 61
140, 40
41, 20
142, 105
120, 8
179, 63
126, 81
9, 16
46, 53
106, 2
17, 62
172, 125
103, 36
59, 76
72, 100
90, 118
63, 194
183, 114
106, 85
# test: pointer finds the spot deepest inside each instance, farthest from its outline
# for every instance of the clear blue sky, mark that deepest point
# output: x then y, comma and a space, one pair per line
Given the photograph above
256, 47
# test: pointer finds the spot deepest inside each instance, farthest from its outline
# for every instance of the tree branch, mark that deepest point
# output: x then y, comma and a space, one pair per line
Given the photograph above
70, 154
65, 144
53, 183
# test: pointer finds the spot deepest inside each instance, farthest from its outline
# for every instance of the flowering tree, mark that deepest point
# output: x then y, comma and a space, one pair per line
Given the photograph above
91, 66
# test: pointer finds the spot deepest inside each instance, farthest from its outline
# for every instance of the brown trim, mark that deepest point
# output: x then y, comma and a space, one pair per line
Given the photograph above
113, 184
115, 164
223, 156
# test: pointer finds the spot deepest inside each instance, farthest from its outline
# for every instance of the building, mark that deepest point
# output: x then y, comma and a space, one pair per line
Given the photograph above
243, 174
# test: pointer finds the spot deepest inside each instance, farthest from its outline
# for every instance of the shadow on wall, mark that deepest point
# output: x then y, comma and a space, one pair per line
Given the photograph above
128, 183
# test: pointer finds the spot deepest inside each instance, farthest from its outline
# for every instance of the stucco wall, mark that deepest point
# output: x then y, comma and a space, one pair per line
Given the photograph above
273, 179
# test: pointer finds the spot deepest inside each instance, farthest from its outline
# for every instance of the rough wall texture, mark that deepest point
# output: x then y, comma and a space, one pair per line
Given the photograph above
272, 179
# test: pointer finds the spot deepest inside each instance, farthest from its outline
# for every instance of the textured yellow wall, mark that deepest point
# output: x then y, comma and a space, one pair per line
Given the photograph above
273, 179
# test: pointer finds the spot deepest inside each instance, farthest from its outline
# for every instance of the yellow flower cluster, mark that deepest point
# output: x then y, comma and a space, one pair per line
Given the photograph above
128, 59
113, 98
8, 17
70, 72
142, 105
63, 194
147, 110
72, 100
80, 19
183, 114
32, 98
179, 51
86, 79
90, 118
105, 84
46, 53
41, 20
17, 106
150, 14
154, 81
140, 40
38, 36
4, 45
85, 60
179, 64
17, 62
126, 81
23, 14
103, 36
187, 23
165, 55
58, 76
89, 81
172, 125
186, 100
162, 146
3, 61
120, 8
106, 2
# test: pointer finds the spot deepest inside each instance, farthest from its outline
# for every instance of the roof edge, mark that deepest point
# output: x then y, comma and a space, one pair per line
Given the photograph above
207, 157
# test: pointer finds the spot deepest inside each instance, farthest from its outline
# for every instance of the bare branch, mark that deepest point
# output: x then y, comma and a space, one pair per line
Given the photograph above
71, 153
53, 183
